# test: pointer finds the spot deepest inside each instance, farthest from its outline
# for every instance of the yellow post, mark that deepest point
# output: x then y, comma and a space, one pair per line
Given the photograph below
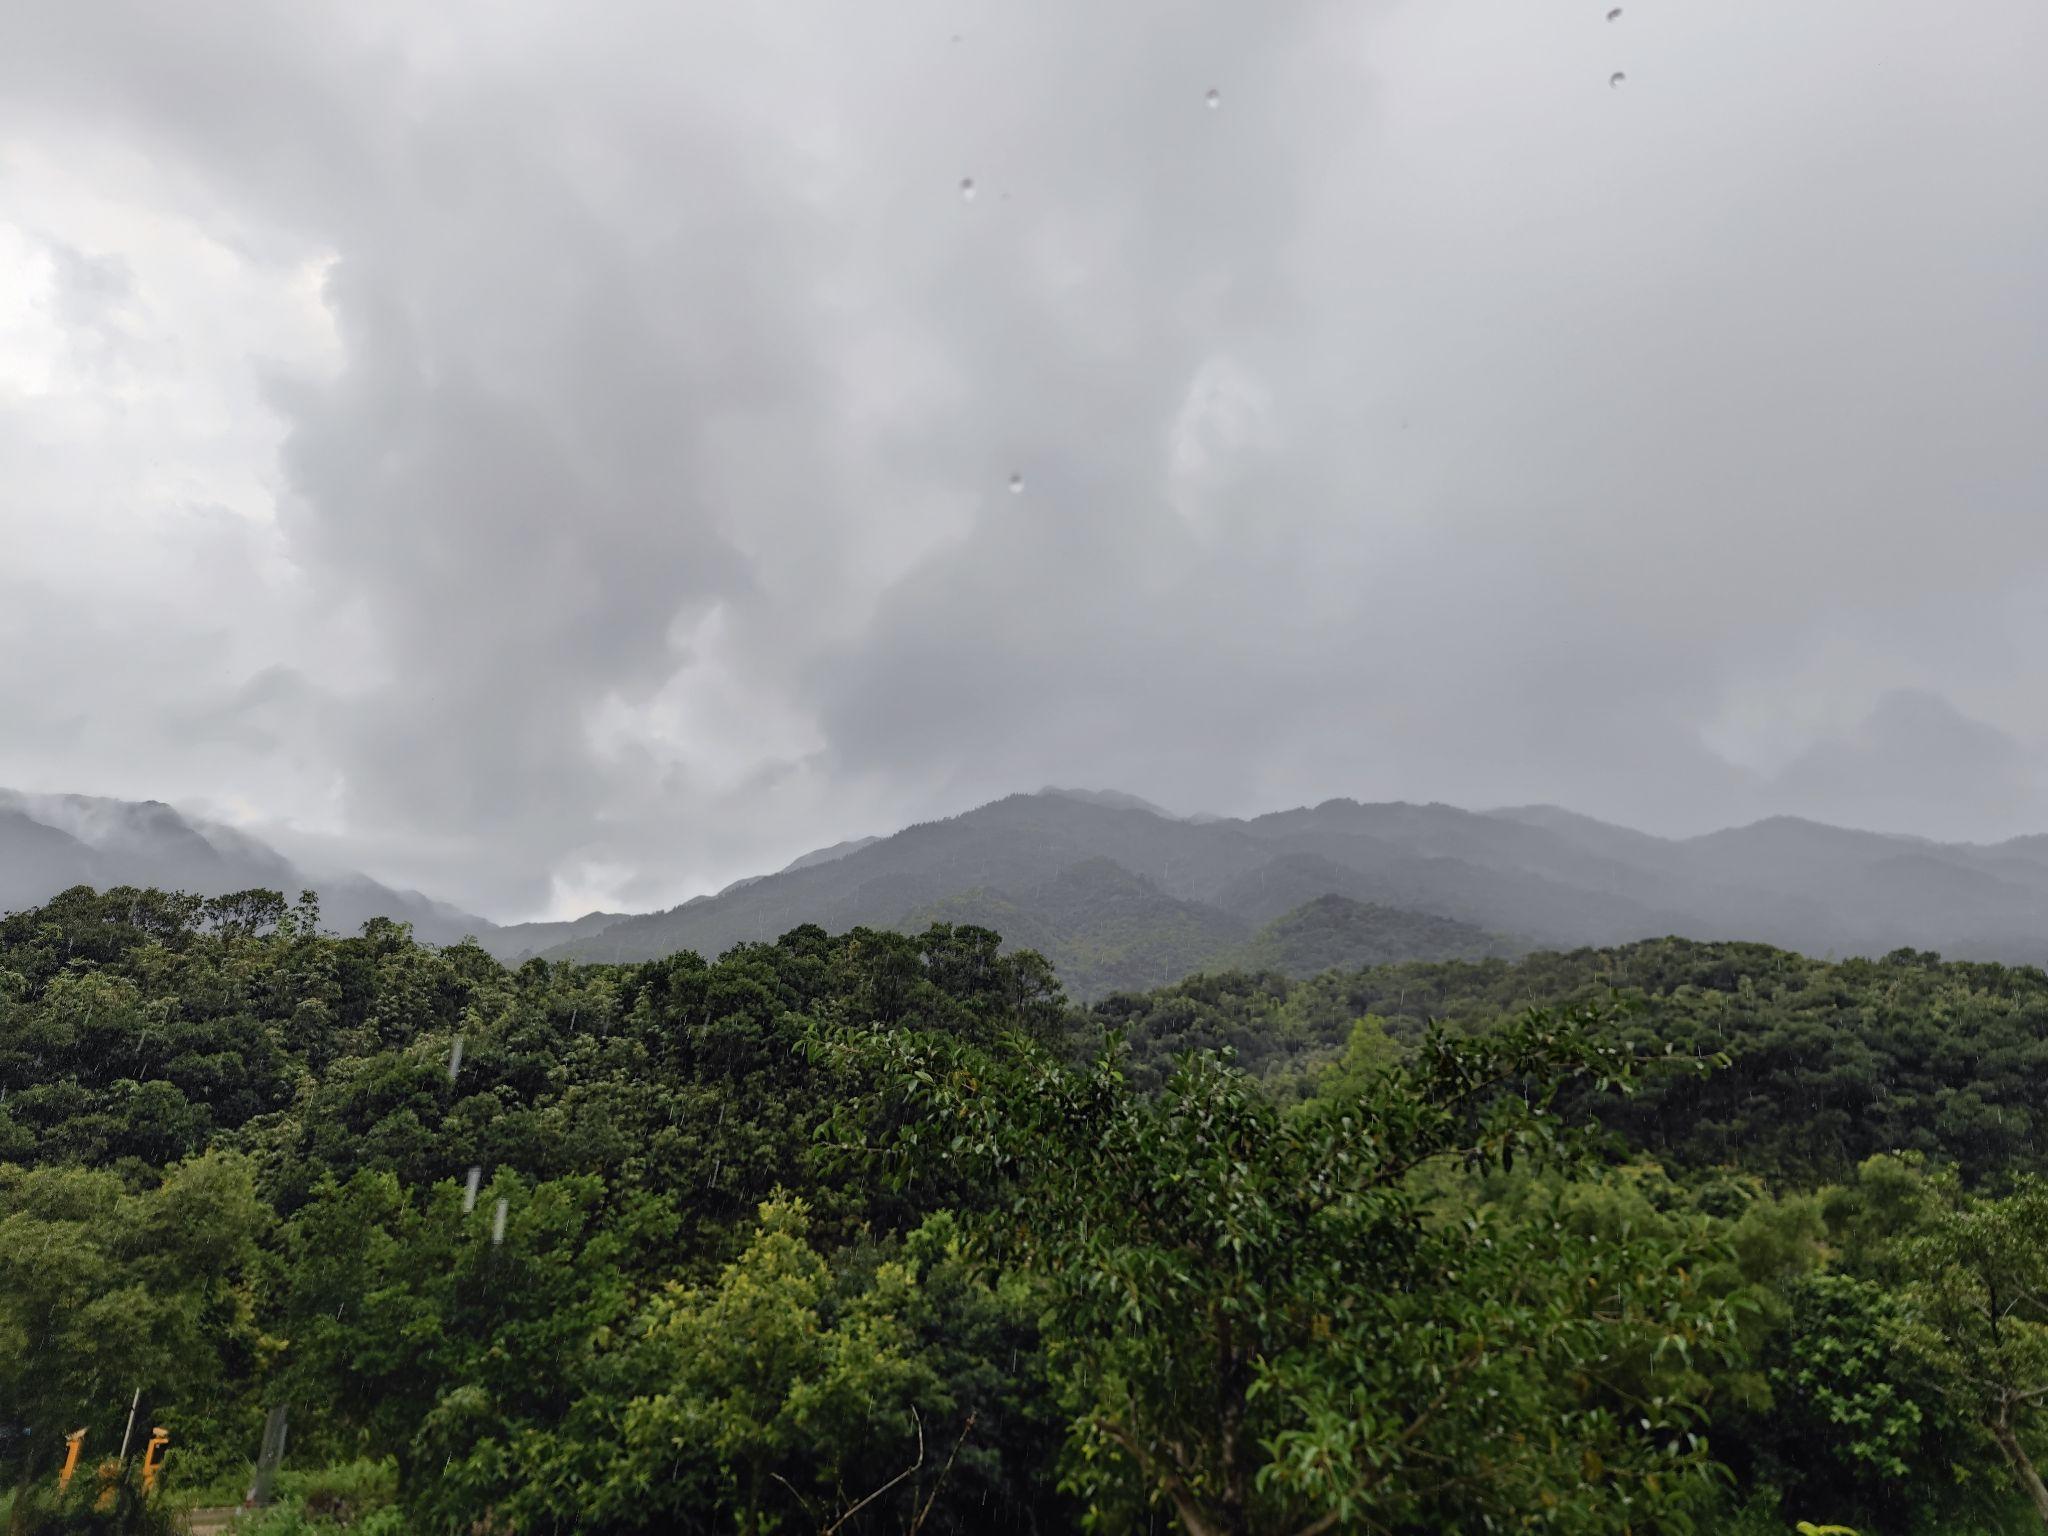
73, 1442
153, 1456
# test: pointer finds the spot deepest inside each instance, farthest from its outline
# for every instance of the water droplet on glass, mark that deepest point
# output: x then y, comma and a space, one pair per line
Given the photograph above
1214, 99
454, 1058
498, 1222
967, 188
476, 1177
1615, 14
1615, 79
1016, 485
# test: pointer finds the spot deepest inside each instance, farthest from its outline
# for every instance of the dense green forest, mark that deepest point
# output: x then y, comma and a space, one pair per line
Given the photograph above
875, 1232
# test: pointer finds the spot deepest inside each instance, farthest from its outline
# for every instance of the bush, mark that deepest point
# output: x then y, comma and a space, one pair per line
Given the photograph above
93, 1506
293, 1518
342, 1494
358, 1495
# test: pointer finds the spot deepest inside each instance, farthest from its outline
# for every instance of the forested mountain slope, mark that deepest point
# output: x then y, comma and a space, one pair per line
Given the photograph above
1118, 894
1538, 875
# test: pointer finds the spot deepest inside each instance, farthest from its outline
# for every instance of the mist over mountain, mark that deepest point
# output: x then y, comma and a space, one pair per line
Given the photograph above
1119, 894
51, 842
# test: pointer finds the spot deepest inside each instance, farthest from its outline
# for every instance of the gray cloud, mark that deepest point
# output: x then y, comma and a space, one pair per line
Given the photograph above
1916, 760
639, 399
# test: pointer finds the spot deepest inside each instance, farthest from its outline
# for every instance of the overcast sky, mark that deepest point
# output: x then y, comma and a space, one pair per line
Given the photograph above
562, 455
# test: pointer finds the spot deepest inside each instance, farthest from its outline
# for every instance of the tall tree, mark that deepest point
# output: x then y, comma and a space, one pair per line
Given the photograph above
1979, 1304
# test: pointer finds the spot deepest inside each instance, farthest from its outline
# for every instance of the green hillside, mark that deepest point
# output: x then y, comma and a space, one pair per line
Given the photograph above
876, 1232
1105, 930
1336, 933
1543, 876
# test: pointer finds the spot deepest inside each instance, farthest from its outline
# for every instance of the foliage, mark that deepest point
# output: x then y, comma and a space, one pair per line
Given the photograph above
1830, 1063
773, 1392
294, 1517
1375, 1250
102, 1292
107, 1504
1977, 1318
1261, 1321
357, 1496
1857, 1427
1336, 933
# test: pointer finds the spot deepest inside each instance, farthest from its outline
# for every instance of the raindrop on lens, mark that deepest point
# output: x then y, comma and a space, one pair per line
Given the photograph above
1016, 485
1214, 99
1615, 80
455, 1058
476, 1177
1615, 14
498, 1222
967, 189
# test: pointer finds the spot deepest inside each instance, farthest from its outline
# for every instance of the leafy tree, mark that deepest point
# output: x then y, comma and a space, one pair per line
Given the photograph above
1856, 1426
1978, 1319
1260, 1317
418, 1328
1830, 1062
779, 1391
102, 1292
1367, 1052
761, 1383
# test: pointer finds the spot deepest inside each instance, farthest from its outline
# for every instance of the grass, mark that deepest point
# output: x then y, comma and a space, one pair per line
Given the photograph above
358, 1496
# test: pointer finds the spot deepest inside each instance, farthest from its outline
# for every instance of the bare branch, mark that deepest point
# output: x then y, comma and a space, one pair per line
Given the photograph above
906, 1472
792, 1487
940, 1482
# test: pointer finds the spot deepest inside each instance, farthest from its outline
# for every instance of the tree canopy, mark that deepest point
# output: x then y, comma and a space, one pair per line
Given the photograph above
874, 1232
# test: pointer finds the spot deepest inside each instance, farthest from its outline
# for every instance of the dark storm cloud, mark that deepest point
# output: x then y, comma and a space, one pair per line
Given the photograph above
1423, 419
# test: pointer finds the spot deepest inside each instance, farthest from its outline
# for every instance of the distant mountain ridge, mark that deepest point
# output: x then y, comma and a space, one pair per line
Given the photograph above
49, 843
1118, 893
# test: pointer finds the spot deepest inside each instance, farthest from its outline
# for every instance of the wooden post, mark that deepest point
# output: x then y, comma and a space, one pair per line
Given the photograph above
73, 1442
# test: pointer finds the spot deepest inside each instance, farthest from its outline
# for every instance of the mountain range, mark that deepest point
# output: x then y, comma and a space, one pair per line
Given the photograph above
49, 843
1118, 893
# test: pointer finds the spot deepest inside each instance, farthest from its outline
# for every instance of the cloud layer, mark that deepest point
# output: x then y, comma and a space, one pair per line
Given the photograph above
561, 458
